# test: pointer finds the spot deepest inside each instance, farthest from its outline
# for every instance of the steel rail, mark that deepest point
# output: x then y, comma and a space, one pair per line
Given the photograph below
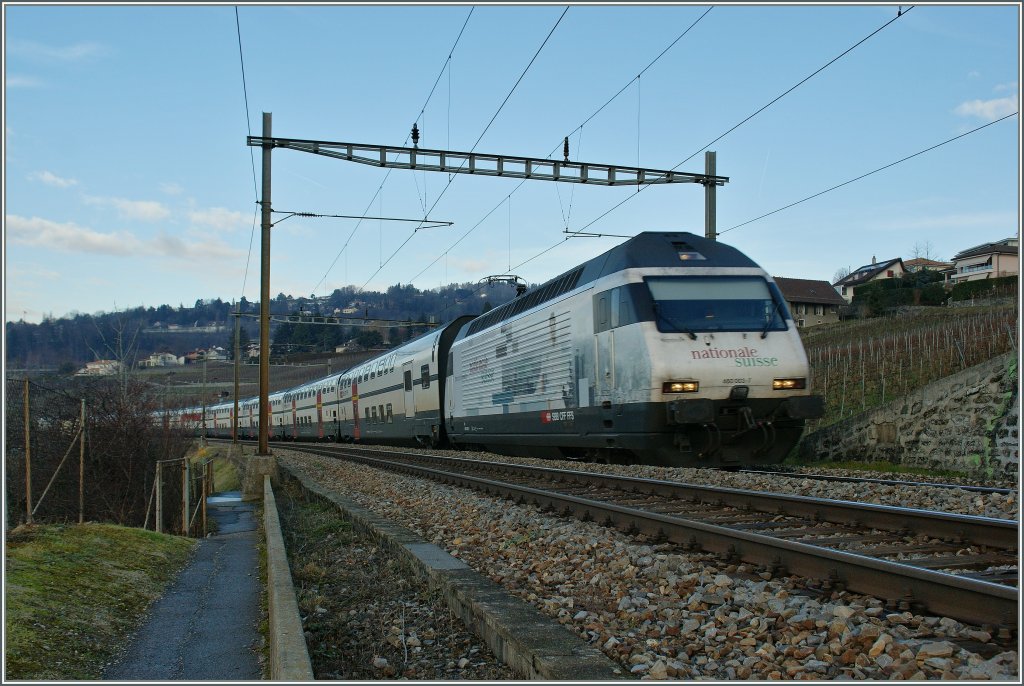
997, 533
884, 482
903, 586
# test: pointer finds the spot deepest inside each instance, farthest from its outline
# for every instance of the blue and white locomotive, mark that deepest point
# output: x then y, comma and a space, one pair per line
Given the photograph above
668, 349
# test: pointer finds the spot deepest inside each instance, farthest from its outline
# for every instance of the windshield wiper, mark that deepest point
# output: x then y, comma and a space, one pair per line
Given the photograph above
673, 323
771, 320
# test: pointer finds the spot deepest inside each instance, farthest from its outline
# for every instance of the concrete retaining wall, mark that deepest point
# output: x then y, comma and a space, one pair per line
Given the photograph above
289, 658
968, 422
532, 644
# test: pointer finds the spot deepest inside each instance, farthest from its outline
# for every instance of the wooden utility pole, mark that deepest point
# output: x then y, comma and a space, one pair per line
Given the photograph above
184, 497
206, 492
202, 441
159, 497
81, 469
28, 458
234, 414
264, 421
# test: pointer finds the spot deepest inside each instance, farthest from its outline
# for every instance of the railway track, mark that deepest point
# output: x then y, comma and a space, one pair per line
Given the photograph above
884, 482
957, 566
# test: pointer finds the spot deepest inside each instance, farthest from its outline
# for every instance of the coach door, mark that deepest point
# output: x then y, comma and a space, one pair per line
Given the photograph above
410, 399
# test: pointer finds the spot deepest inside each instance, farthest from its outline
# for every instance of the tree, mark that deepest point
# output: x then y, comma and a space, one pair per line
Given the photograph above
840, 274
243, 339
925, 251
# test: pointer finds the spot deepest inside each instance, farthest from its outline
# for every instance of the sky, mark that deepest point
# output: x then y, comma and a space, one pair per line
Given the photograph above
128, 180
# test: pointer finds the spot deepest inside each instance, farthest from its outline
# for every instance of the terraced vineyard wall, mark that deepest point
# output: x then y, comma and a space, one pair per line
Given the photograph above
967, 422
860, 365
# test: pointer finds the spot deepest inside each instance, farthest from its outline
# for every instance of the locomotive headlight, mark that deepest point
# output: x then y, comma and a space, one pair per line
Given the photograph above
680, 387
788, 384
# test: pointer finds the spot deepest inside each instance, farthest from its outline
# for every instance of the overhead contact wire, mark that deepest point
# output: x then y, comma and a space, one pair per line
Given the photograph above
252, 160
579, 129
744, 121
479, 138
388, 174
874, 171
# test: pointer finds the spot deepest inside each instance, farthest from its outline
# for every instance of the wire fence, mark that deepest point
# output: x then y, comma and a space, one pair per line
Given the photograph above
89, 450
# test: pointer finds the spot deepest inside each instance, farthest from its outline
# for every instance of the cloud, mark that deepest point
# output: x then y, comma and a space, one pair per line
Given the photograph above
18, 81
68, 237
993, 109
220, 218
143, 210
171, 188
206, 249
53, 53
29, 271
51, 179
71, 238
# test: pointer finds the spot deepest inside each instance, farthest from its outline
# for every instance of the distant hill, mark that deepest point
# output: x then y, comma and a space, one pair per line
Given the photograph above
131, 335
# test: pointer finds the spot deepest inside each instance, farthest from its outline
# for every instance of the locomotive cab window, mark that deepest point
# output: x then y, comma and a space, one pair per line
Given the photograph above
716, 303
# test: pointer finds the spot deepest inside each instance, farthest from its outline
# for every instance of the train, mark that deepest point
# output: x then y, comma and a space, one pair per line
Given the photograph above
669, 349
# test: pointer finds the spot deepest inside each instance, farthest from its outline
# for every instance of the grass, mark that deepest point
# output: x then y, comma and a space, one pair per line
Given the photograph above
226, 476
885, 467
74, 592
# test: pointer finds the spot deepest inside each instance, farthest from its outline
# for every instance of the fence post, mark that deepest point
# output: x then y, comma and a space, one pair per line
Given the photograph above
28, 458
81, 470
159, 497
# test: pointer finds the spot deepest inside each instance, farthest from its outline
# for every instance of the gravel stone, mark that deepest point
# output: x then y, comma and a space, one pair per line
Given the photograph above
646, 604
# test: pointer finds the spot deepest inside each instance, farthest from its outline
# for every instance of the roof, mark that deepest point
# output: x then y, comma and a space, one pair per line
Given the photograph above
808, 291
923, 263
1007, 246
866, 273
646, 249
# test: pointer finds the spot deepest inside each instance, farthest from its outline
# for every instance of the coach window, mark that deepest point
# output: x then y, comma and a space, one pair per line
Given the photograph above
381, 408
601, 313
425, 376
373, 415
367, 411
391, 417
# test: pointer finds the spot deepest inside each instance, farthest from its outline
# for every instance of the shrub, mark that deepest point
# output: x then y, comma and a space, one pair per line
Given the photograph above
966, 290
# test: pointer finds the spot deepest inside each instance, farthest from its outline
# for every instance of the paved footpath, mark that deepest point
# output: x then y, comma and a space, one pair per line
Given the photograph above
206, 624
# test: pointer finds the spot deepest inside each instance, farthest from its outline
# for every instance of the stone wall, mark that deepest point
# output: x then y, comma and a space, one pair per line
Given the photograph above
967, 422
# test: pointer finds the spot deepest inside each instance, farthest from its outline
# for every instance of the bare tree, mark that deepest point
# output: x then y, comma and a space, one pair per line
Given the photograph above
924, 250
840, 274
123, 348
